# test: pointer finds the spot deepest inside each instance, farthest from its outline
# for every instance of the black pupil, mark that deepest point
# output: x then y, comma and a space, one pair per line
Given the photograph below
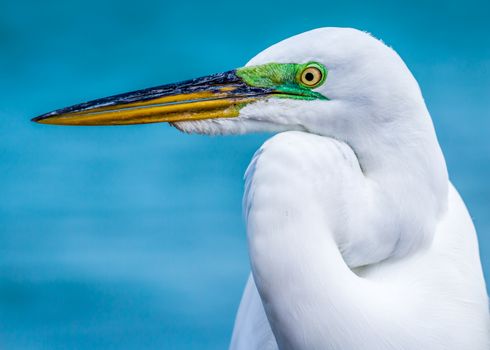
309, 76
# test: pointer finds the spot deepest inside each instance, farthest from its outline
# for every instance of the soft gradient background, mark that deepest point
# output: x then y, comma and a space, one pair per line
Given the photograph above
131, 237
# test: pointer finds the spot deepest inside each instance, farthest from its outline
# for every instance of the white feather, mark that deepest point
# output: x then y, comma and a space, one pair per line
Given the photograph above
357, 239
433, 298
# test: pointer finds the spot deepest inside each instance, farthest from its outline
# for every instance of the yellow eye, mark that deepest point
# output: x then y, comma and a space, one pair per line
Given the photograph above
311, 77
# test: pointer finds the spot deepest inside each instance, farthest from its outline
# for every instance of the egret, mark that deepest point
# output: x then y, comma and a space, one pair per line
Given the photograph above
357, 238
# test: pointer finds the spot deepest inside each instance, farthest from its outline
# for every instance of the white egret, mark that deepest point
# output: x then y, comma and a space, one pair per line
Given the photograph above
357, 238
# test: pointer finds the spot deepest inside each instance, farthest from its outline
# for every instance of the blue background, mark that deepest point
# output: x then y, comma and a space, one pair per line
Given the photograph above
132, 237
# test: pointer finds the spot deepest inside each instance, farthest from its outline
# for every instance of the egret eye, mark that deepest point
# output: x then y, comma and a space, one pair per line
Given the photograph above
312, 76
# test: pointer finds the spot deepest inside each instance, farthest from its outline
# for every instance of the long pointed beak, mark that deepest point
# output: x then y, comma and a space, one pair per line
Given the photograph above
215, 96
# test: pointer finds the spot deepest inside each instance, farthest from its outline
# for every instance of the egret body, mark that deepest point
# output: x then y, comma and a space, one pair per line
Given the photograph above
357, 239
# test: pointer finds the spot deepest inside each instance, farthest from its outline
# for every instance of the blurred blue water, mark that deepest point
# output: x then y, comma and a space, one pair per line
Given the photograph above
131, 237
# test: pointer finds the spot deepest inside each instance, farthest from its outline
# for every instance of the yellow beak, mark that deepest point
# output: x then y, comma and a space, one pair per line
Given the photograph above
216, 96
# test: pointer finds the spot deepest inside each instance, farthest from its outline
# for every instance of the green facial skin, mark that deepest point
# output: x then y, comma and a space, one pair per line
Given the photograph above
283, 77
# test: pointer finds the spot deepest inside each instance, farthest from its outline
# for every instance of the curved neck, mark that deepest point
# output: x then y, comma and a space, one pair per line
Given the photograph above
305, 191
296, 262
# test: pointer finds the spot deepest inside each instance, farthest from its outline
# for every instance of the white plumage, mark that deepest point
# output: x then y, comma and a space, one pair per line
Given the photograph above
433, 298
357, 238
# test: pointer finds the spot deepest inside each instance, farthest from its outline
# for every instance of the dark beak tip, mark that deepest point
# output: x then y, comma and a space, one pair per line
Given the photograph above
42, 117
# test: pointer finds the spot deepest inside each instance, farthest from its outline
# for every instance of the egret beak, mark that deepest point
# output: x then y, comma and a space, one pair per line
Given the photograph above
215, 96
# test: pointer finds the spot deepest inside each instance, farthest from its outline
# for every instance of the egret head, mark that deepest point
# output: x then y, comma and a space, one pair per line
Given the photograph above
336, 82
